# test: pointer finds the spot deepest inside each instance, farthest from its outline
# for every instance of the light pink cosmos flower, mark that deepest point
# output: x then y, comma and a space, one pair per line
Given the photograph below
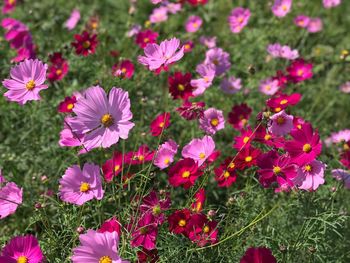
207, 73
281, 7
340, 136
311, 176
345, 87
27, 80
302, 21
193, 24
97, 247
209, 42
281, 124
231, 85
79, 186
199, 149
102, 120
278, 51
165, 154
269, 86
342, 175
315, 25
159, 15
158, 56
219, 58
134, 30
10, 198
238, 19
73, 19
156, 1
331, 3
173, 7
212, 121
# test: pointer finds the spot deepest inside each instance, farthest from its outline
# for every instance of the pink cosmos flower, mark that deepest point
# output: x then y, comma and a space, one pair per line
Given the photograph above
173, 7
124, 70
209, 42
10, 198
145, 233
156, 1
269, 86
27, 80
212, 121
159, 15
342, 175
188, 46
305, 146
258, 254
340, 136
238, 19
160, 123
315, 25
68, 139
143, 38
184, 173
21, 249
134, 30
300, 70
161, 56
311, 175
345, 87
97, 247
219, 58
142, 155
79, 186
156, 205
110, 225
73, 19
193, 24
281, 123
278, 51
199, 199
102, 120
9, 6
199, 149
165, 154
113, 167
207, 73
331, 3
231, 85
302, 21
281, 7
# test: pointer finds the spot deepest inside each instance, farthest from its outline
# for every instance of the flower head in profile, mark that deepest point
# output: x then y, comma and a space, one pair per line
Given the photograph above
160, 123
199, 199
258, 254
158, 57
197, 2
123, 70
113, 167
269, 86
79, 186
10, 198
59, 67
191, 110
146, 232
238, 19
22, 249
97, 247
102, 120
143, 38
219, 59
281, 123
212, 121
311, 175
85, 44
73, 19
281, 7
199, 149
165, 154
180, 85
110, 225
184, 173
231, 85
193, 24
27, 80
278, 51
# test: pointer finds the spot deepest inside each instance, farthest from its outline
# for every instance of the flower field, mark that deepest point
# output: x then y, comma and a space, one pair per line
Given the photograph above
175, 131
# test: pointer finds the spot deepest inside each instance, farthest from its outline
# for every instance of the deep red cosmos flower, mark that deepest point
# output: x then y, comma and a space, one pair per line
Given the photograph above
244, 139
305, 146
145, 233
85, 44
147, 256
299, 71
146, 37
67, 105
142, 155
185, 172
239, 115
110, 225
153, 203
160, 123
199, 199
188, 46
263, 136
226, 174
345, 159
258, 255
58, 68
197, 2
282, 101
191, 110
123, 70
247, 157
180, 85
282, 79
113, 167
202, 231
272, 165
179, 221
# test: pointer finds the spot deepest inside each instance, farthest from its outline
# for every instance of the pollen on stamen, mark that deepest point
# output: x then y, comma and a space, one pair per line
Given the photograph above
84, 187
186, 174
214, 122
248, 159
182, 223
107, 120
105, 259
30, 85
307, 148
202, 155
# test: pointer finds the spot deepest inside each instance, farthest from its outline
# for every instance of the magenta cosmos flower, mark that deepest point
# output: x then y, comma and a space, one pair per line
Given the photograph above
165, 154
145, 234
10, 198
97, 247
281, 7
102, 120
212, 121
161, 56
160, 123
281, 124
238, 19
22, 249
302, 21
219, 59
155, 204
9, 6
258, 254
27, 80
311, 175
199, 149
79, 186
193, 24
73, 20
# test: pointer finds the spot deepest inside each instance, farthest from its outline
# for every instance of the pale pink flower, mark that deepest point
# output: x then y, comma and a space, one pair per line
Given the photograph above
315, 25
340, 136
165, 154
207, 73
231, 85
345, 87
311, 176
212, 121
10, 199
73, 19
209, 42
238, 19
281, 124
342, 175
193, 24
269, 86
199, 149
159, 15
281, 7
173, 7
219, 58
331, 3
134, 30
302, 21
278, 51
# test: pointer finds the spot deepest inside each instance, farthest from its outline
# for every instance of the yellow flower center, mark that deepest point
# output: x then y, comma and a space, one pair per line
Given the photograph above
107, 120
346, 147
307, 148
166, 161
186, 174
232, 165
146, 40
182, 222
156, 210
123, 70
141, 158
267, 137
116, 168
202, 156
278, 109
195, 25
280, 120
59, 72
30, 85
240, 19
86, 44
284, 8
248, 159
84, 187
214, 122
181, 87
199, 206
216, 62
226, 174
308, 168
299, 126
276, 169
94, 25
268, 87
147, 23
300, 72
187, 46
161, 125
22, 259
70, 106
206, 229
283, 102
246, 139
105, 259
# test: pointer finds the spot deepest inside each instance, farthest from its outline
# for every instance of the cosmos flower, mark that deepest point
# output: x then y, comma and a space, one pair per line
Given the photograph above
219, 59
278, 51
141, 156
113, 167
159, 15
10, 198
247, 157
165, 154
311, 175
147, 256
123, 70
67, 104
239, 115
22, 249
281, 123
212, 121
199, 199
143, 38
158, 57
145, 233
156, 205
345, 159
269, 86
331, 3
188, 46
73, 19
199, 149
27, 80
97, 247
110, 225
193, 24
191, 110
134, 30
342, 175
180, 85
197, 2
238, 19
340, 136
185, 172
231, 85
299, 70
281, 7
265, 137
59, 67
202, 231
282, 101
102, 120
258, 254
85, 44
345, 87
160, 123
302, 21
173, 7
9, 6
226, 174
79, 186
315, 25
179, 221
207, 73
209, 42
